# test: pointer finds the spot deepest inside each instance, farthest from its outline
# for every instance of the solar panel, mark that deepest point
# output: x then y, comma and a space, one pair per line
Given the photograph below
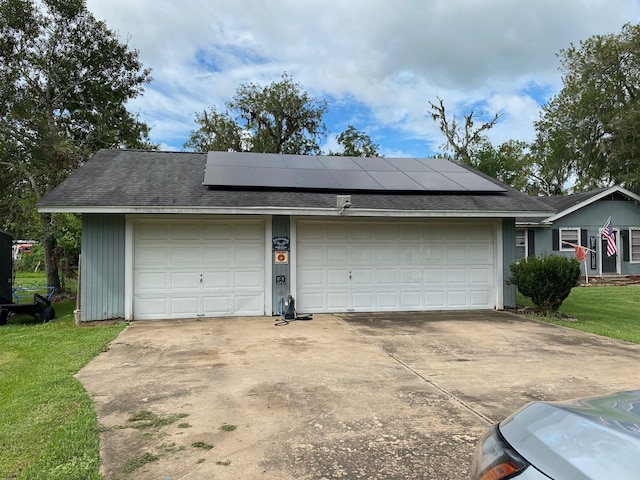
268, 170
436, 181
409, 165
311, 178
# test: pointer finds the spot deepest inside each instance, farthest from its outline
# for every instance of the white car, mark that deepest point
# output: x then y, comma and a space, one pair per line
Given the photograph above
585, 439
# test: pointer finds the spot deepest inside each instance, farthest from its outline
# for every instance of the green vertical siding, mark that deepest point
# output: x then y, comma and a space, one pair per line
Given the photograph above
508, 257
103, 263
281, 228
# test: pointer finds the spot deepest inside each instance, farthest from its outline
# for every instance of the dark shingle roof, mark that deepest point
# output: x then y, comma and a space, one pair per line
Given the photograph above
136, 178
563, 202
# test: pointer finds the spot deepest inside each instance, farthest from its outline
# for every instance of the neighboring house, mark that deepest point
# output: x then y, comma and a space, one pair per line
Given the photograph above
579, 219
186, 235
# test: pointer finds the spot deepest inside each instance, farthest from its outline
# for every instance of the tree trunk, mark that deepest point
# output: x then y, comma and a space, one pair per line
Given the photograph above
49, 244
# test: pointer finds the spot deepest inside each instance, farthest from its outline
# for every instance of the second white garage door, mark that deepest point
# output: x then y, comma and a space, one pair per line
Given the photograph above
365, 267
189, 269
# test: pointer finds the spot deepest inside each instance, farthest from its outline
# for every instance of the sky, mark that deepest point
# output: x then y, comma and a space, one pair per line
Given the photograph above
377, 63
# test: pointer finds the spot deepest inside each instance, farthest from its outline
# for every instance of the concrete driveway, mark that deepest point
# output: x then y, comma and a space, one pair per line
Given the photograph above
391, 396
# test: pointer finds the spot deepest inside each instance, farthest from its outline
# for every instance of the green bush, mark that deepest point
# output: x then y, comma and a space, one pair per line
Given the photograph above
546, 280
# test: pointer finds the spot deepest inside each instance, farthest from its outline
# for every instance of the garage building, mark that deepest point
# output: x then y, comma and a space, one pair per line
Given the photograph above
187, 235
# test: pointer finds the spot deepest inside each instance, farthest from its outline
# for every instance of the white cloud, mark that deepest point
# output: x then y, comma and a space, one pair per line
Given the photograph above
390, 57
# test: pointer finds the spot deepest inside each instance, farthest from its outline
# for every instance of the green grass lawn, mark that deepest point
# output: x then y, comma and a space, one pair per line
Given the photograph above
609, 311
48, 424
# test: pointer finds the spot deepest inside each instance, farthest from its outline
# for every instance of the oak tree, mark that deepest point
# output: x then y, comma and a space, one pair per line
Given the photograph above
65, 79
592, 126
355, 143
278, 118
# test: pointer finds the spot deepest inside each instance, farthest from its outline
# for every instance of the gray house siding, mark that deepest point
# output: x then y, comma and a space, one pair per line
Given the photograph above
103, 266
590, 219
509, 257
281, 276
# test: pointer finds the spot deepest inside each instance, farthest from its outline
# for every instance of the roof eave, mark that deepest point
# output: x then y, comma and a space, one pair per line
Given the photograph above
595, 198
351, 212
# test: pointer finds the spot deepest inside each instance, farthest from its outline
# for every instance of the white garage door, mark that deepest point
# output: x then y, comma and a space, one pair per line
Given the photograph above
194, 269
384, 267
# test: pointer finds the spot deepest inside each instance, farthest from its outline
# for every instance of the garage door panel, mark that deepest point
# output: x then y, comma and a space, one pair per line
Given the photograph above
386, 254
217, 305
456, 275
186, 255
480, 299
155, 232
183, 306
410, 277
409, 233
457, 254
408, 266
311, 254
220, 279
152, 256
216, 232
387, 300
335, 278
361, 232
336, 302
152, 281
202, 268
248, 256
312, 301
458, 299
249, 280
184, 281
248, 305
432, 254
434, 300
249, 232
411, 300
361, 278
433, 276
152, 307
217, 256
480, 234
312, 278
387, 276
337, 254
361, 254
362, 301
480, 253
185, 232
315, 232
480, 276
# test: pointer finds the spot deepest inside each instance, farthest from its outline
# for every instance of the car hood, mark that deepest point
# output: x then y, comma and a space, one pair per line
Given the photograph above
592, 438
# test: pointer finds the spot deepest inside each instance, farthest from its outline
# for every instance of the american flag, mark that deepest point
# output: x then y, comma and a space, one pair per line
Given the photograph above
607, 232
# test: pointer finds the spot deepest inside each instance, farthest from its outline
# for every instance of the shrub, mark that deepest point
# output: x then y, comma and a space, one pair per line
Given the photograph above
546, 280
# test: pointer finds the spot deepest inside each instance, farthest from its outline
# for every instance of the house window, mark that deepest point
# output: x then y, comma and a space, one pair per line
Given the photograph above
570, 235
634, 244
521, 243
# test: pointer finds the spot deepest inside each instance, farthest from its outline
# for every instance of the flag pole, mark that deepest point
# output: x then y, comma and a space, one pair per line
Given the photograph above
586, 273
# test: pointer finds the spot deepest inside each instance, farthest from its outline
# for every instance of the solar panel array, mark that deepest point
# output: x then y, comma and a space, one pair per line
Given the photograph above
279, 171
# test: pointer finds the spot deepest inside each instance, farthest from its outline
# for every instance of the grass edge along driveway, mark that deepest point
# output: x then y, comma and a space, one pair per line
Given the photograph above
48, 423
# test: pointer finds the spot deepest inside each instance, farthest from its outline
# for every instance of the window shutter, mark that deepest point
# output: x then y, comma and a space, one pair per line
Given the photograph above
625, 245
531, 243
583, 237
555, 239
